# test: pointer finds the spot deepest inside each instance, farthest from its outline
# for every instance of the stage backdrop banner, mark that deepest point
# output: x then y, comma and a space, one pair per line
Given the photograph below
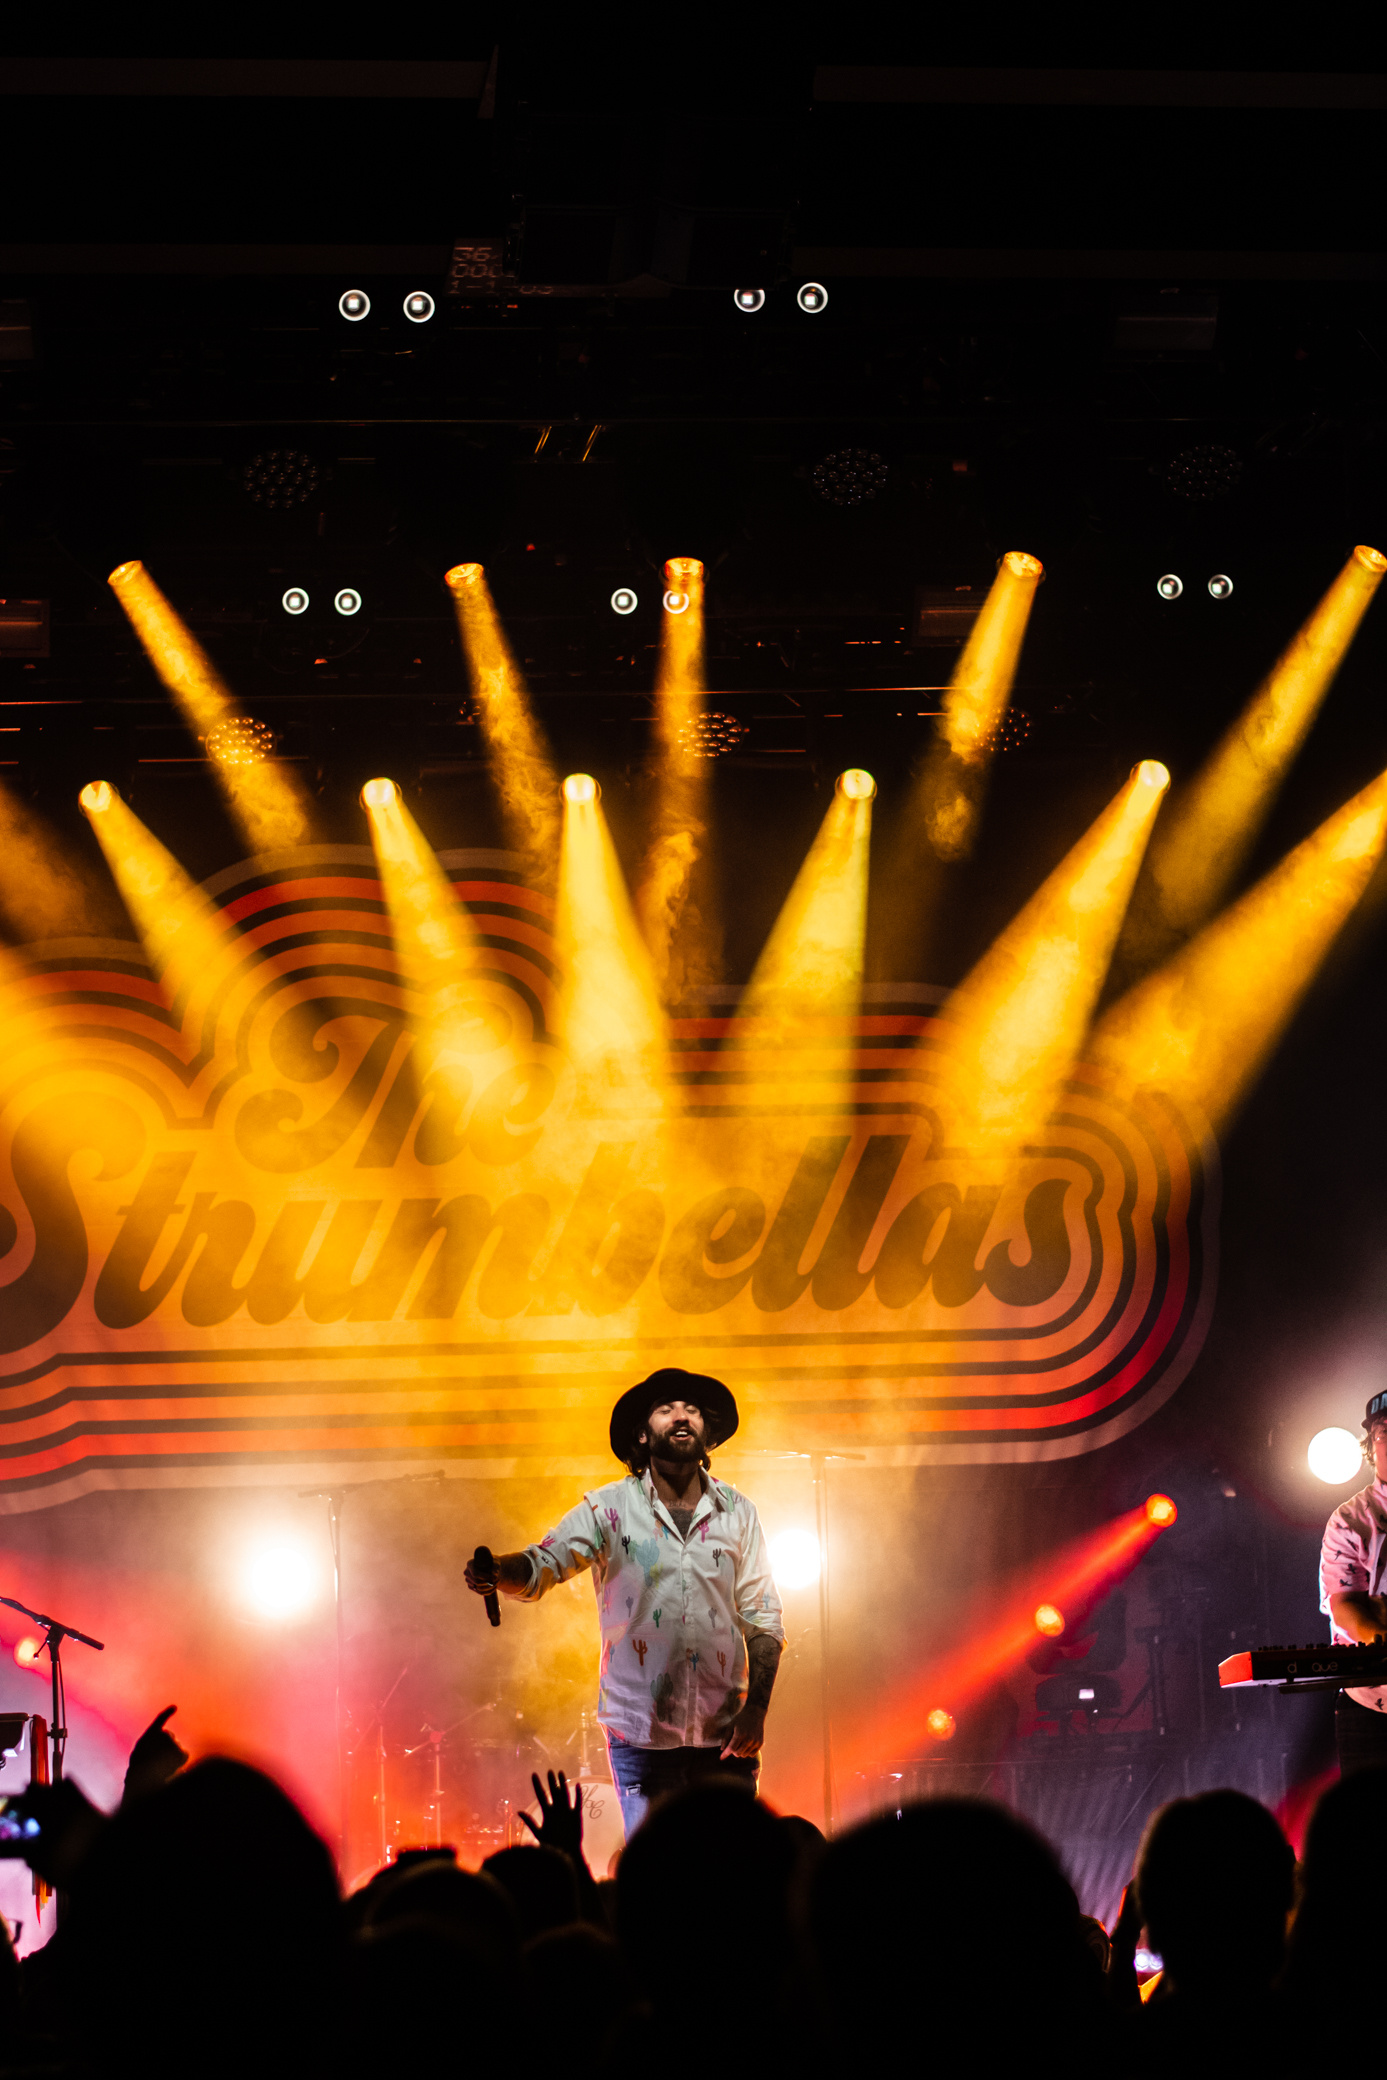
248, 1235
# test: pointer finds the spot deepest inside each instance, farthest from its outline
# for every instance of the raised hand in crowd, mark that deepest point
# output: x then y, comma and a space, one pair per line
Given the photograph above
155, 1757
560, 1823
1120, 1977
560, 1826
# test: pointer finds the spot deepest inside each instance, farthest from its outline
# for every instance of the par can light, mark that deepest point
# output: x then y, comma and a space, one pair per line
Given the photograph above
1220, 585
1049, 1619
348, 601
857, 785
279, 1582
676, 602
579, 788
295, 600
1335, 1456
749, 299
1160, 1510
96, 797
940, 1724
624, 600
812, 297
1169, 587
795, 1559
1022, 564
379, 794
354, 305
419, 306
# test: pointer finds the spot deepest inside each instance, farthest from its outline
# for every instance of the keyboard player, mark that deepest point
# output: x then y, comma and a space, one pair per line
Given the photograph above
1353, 1592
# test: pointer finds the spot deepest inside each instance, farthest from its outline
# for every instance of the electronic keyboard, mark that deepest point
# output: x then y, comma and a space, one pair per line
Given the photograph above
1305, 1668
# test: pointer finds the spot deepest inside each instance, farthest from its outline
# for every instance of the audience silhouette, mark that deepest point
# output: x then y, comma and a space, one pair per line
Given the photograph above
202, 1932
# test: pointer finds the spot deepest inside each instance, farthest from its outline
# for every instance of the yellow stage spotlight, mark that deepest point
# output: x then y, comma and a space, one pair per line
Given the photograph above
1017, 1021
1211, 825
581, 787
974, 706
1202, 1025
681, 949
811, 965
183, 934
608, 1015
265, 798
857, 785
981, 684
524, 775
941, 823
452, 1011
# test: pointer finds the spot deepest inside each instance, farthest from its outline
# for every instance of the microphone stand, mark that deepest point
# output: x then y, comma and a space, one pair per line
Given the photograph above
334, 1498
54, 1633
818, 1467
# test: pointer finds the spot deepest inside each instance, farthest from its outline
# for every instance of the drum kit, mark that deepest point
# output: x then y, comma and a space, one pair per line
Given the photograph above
467, 1786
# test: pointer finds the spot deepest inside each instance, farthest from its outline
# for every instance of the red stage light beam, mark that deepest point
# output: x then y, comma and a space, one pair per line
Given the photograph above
1068, 1579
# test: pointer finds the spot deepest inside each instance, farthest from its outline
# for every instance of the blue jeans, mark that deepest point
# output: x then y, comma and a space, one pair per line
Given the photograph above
642, 1775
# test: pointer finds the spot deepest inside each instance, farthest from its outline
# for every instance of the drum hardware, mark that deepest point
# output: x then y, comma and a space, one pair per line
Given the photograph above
434, 1738
376, 1725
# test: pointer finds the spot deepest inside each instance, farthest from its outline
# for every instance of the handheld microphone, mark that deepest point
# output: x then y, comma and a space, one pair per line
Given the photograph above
483, 1564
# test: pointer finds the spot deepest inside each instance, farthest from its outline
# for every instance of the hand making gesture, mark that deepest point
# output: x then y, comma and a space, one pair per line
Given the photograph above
560, 1816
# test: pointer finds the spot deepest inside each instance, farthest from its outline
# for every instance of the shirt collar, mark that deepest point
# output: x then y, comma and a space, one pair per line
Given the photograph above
709, 1500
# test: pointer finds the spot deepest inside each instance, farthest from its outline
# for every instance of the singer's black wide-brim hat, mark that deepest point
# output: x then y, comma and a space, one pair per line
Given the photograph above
672, 1384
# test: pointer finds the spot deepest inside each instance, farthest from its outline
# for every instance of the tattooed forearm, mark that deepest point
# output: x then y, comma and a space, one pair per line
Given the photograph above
763, 1657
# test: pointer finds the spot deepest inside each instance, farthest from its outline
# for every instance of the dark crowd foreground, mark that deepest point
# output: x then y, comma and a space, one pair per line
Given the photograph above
202, 1932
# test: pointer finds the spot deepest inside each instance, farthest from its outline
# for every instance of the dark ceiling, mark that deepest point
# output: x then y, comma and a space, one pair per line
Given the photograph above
1131, 320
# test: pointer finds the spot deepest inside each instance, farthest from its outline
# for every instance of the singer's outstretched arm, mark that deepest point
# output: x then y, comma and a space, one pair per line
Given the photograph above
512, 1577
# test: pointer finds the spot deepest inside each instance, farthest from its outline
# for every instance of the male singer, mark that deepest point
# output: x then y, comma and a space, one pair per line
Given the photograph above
690, 1618
1353, 1577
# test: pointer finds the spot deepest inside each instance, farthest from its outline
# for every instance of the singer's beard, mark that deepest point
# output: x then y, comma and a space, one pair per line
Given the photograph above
677, 1451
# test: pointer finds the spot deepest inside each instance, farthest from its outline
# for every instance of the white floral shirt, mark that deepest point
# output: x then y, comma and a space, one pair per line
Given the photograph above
674, 1612
1354, 1556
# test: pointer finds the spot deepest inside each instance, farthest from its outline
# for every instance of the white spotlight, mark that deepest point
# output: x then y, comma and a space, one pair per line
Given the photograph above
813, 297
1169, 586
795, 1559
354, 304
295, 600
676, 602
279, 1581
347, 601
1220, 585
1335, 1456
624, 600
419, 306
749, 299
